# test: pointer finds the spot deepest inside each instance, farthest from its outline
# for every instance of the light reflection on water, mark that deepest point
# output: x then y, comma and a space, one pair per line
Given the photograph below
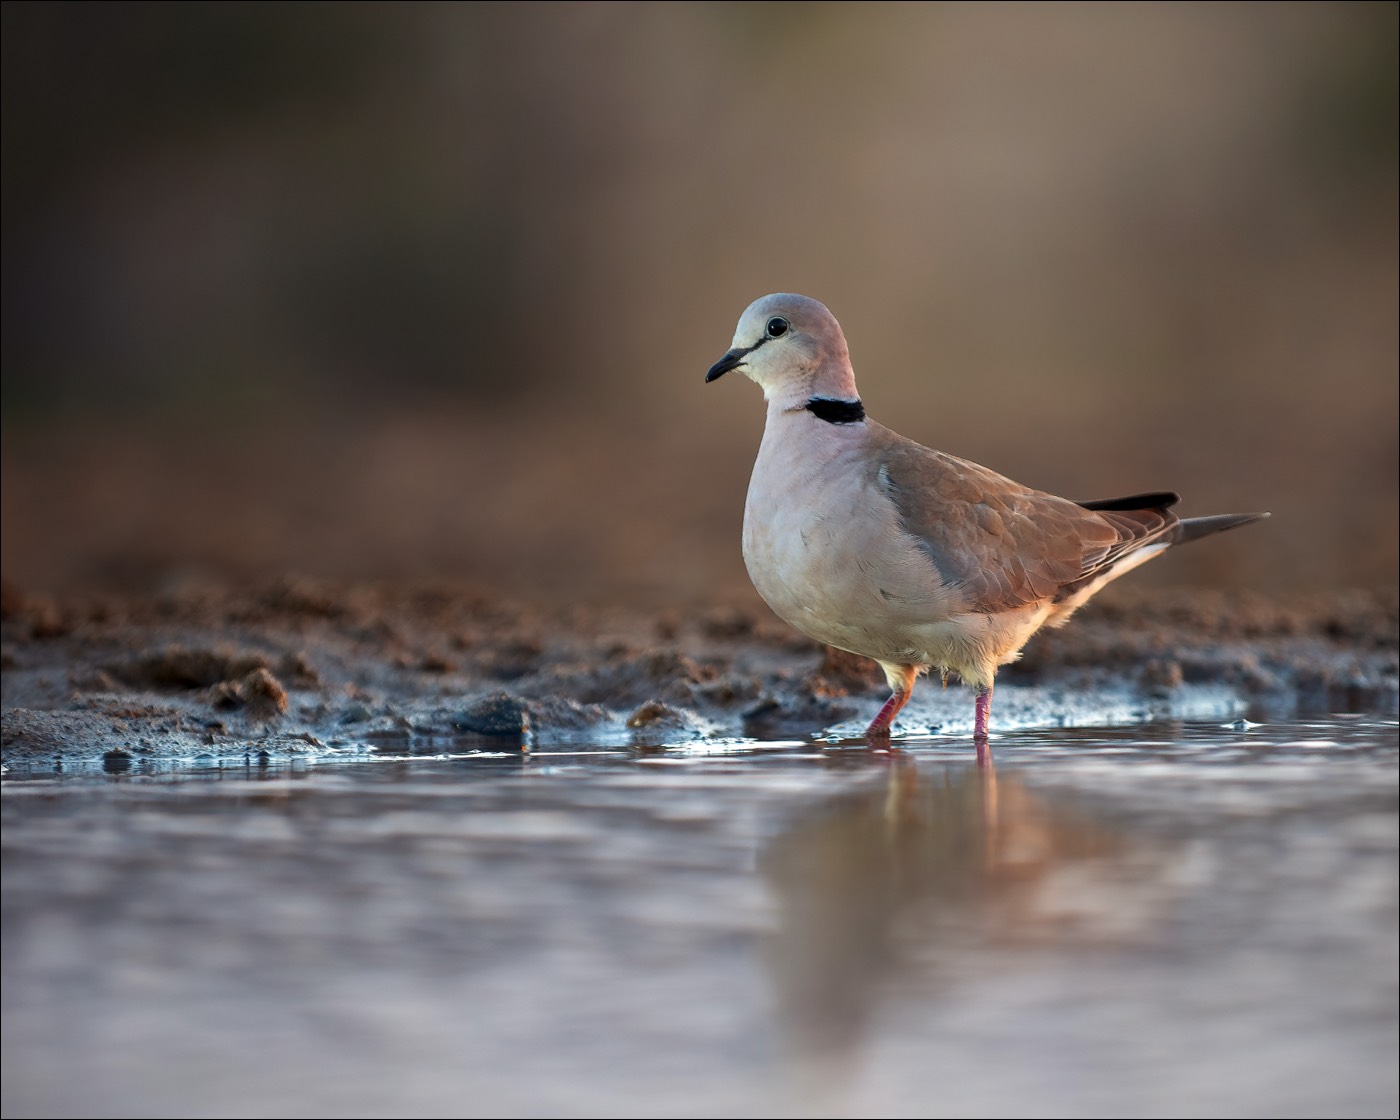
884, 886
1159, 920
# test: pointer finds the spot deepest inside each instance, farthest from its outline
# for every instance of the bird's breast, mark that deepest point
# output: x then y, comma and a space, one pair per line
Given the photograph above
824, 546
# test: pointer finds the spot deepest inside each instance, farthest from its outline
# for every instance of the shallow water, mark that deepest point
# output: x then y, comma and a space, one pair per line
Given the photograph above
1159, 921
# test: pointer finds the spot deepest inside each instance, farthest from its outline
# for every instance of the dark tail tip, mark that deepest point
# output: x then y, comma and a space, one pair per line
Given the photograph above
1194, 527
1163, 499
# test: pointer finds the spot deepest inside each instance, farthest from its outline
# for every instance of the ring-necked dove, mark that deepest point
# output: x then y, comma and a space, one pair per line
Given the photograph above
871, 543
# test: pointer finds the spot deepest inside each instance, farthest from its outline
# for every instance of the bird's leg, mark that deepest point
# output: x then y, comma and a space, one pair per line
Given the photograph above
984, 711
880, 726
901, 679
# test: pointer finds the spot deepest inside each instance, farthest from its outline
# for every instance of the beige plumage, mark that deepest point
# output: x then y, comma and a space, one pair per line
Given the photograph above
871, 543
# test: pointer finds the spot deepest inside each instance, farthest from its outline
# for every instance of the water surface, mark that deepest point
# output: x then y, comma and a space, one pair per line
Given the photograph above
1159, 921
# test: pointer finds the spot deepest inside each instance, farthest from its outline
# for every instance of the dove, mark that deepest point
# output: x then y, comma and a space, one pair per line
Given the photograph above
869, 542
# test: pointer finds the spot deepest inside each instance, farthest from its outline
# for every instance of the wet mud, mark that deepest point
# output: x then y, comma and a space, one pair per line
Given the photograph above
297, 667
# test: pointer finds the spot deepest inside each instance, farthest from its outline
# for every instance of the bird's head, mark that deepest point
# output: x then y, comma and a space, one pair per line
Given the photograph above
793, 349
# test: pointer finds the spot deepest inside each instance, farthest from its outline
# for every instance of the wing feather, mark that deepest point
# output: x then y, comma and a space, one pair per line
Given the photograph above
1003, 545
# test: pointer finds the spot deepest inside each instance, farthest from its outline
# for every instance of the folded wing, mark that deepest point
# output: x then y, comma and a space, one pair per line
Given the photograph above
1002, 545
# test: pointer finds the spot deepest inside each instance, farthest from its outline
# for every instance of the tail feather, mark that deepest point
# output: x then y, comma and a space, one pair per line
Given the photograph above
1193, 527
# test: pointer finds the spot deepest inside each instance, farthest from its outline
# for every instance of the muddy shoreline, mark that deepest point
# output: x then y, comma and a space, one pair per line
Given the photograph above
299, 667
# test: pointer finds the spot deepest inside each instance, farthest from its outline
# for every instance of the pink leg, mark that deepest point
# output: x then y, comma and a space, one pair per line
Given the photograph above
880, 726
984, 711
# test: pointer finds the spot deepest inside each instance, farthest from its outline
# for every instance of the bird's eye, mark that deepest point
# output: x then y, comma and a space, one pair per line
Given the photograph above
777, 327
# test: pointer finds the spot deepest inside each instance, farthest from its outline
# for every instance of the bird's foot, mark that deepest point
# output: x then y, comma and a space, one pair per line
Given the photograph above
878, 733
984, 712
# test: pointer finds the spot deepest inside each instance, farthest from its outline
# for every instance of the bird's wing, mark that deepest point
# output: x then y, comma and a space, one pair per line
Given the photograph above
1001, 544
1158, 499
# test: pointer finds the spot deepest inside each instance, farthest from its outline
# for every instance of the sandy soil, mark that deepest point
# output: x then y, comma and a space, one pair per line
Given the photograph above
296, 666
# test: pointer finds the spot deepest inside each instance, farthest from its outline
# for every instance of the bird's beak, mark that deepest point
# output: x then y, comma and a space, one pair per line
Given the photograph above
730, 361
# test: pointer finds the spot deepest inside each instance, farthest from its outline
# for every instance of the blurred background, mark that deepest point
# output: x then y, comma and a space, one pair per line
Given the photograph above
419, 290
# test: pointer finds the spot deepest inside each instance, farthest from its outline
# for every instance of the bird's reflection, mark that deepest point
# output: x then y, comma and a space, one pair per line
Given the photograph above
890, 886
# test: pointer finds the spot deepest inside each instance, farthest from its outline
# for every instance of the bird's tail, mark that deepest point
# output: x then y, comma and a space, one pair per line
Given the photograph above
1192, 528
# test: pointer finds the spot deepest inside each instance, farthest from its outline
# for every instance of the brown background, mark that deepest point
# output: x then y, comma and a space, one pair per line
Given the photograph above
419, 291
